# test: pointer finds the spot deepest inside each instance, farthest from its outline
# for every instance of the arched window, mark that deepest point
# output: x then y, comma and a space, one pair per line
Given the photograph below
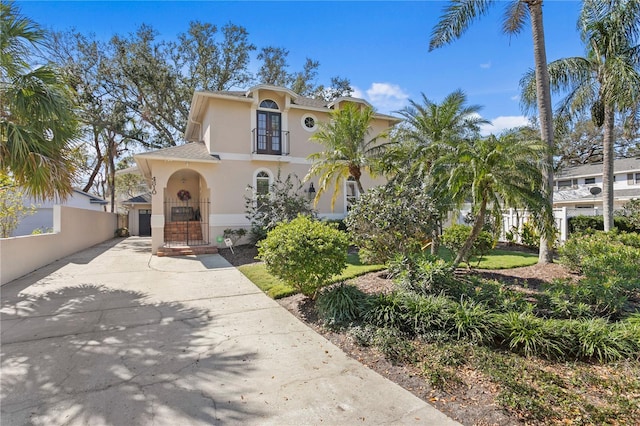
262, 184
263, 181
269, 104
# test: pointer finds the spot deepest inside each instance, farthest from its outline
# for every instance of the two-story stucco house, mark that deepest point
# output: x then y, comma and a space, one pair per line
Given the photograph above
236, 139
580, 188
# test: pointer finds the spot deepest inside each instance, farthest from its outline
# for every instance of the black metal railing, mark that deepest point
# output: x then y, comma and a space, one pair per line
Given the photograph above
269, 142
186, 222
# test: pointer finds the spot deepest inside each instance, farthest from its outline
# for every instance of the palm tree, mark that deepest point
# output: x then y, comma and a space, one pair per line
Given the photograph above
348, 149
457, 17
426, 125
605, 81
37, 119
493, 172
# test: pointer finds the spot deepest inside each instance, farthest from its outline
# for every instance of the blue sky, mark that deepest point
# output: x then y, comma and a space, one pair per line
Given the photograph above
382, 47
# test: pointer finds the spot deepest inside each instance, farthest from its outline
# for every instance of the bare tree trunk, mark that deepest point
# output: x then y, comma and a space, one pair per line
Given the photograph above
607, 172
543, 91
475, 231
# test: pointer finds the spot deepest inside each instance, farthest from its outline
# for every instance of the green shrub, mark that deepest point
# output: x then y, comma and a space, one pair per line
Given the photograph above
385, 311
604, 256
341, 304
631, 212
455, 236
285, 200
421, 273
590, 224
530, 236
392, 219
304, 253
422, 315
596, 338
527, 334
472, 321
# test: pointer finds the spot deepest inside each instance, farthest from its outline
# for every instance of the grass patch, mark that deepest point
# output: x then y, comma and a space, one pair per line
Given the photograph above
496, 259
277, 289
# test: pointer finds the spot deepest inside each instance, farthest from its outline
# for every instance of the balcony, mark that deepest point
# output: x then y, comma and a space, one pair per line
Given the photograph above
269, 145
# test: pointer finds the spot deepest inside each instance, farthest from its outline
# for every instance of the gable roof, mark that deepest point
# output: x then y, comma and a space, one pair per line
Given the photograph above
622, 165
192, 151
139, 199
196, 152
93, 199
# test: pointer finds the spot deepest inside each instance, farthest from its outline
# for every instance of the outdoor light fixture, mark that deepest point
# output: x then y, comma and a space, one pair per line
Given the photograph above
311, 191
153, 186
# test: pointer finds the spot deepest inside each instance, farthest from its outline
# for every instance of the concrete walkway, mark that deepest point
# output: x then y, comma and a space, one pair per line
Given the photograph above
114, 336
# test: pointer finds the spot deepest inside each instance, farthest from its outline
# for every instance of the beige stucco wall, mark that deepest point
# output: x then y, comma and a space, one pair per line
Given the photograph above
226, 129
74, 230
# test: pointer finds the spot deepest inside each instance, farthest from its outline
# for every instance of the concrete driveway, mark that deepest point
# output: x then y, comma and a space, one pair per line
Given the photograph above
114, 336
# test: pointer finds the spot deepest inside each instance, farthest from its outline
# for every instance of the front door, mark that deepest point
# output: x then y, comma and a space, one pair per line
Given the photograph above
269, 133
144, 223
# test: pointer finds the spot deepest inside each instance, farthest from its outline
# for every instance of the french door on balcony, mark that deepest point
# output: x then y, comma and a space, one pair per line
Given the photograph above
269, 133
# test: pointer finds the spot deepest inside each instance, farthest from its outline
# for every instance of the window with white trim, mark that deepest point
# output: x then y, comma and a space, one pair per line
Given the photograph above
351, 193
309, 122
590, 181
261, 184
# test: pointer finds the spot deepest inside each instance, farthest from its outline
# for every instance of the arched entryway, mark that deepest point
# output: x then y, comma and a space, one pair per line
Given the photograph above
186, 209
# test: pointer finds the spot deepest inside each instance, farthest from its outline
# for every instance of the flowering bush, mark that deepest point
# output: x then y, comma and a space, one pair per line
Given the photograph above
184, 195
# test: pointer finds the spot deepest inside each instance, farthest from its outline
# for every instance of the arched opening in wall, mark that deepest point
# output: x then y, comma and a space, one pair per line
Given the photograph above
186, 209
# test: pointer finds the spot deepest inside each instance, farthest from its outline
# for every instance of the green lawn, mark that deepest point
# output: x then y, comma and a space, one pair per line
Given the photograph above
276, 289
496, 259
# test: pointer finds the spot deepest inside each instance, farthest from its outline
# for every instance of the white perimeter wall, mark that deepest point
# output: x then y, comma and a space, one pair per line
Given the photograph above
73, 230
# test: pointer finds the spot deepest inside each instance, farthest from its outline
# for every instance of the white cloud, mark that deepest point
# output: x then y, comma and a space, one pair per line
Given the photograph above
515, 98
357, 93
486, 65
499, 124
385, 97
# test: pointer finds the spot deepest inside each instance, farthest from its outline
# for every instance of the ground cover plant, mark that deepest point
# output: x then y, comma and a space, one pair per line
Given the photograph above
564, 351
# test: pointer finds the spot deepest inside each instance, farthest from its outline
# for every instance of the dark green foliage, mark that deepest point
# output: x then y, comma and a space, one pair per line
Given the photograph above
455, 236
587, 224
525, 333
339, 223
304, 253
422, 315
284, 202
421, 273
392, 219
385, 311
472, 321
341, 304
597, 112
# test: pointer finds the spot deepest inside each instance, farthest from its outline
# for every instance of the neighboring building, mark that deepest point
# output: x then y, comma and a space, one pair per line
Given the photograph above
579, 188
139, 214
42, 219
237, 139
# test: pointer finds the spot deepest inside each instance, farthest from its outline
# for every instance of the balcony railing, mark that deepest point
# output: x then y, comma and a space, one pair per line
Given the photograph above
269, 142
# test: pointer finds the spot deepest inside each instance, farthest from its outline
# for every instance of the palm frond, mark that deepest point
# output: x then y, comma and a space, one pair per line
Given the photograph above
457, 17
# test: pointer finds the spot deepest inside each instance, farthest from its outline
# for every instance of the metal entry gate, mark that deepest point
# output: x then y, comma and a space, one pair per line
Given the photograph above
186, 222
